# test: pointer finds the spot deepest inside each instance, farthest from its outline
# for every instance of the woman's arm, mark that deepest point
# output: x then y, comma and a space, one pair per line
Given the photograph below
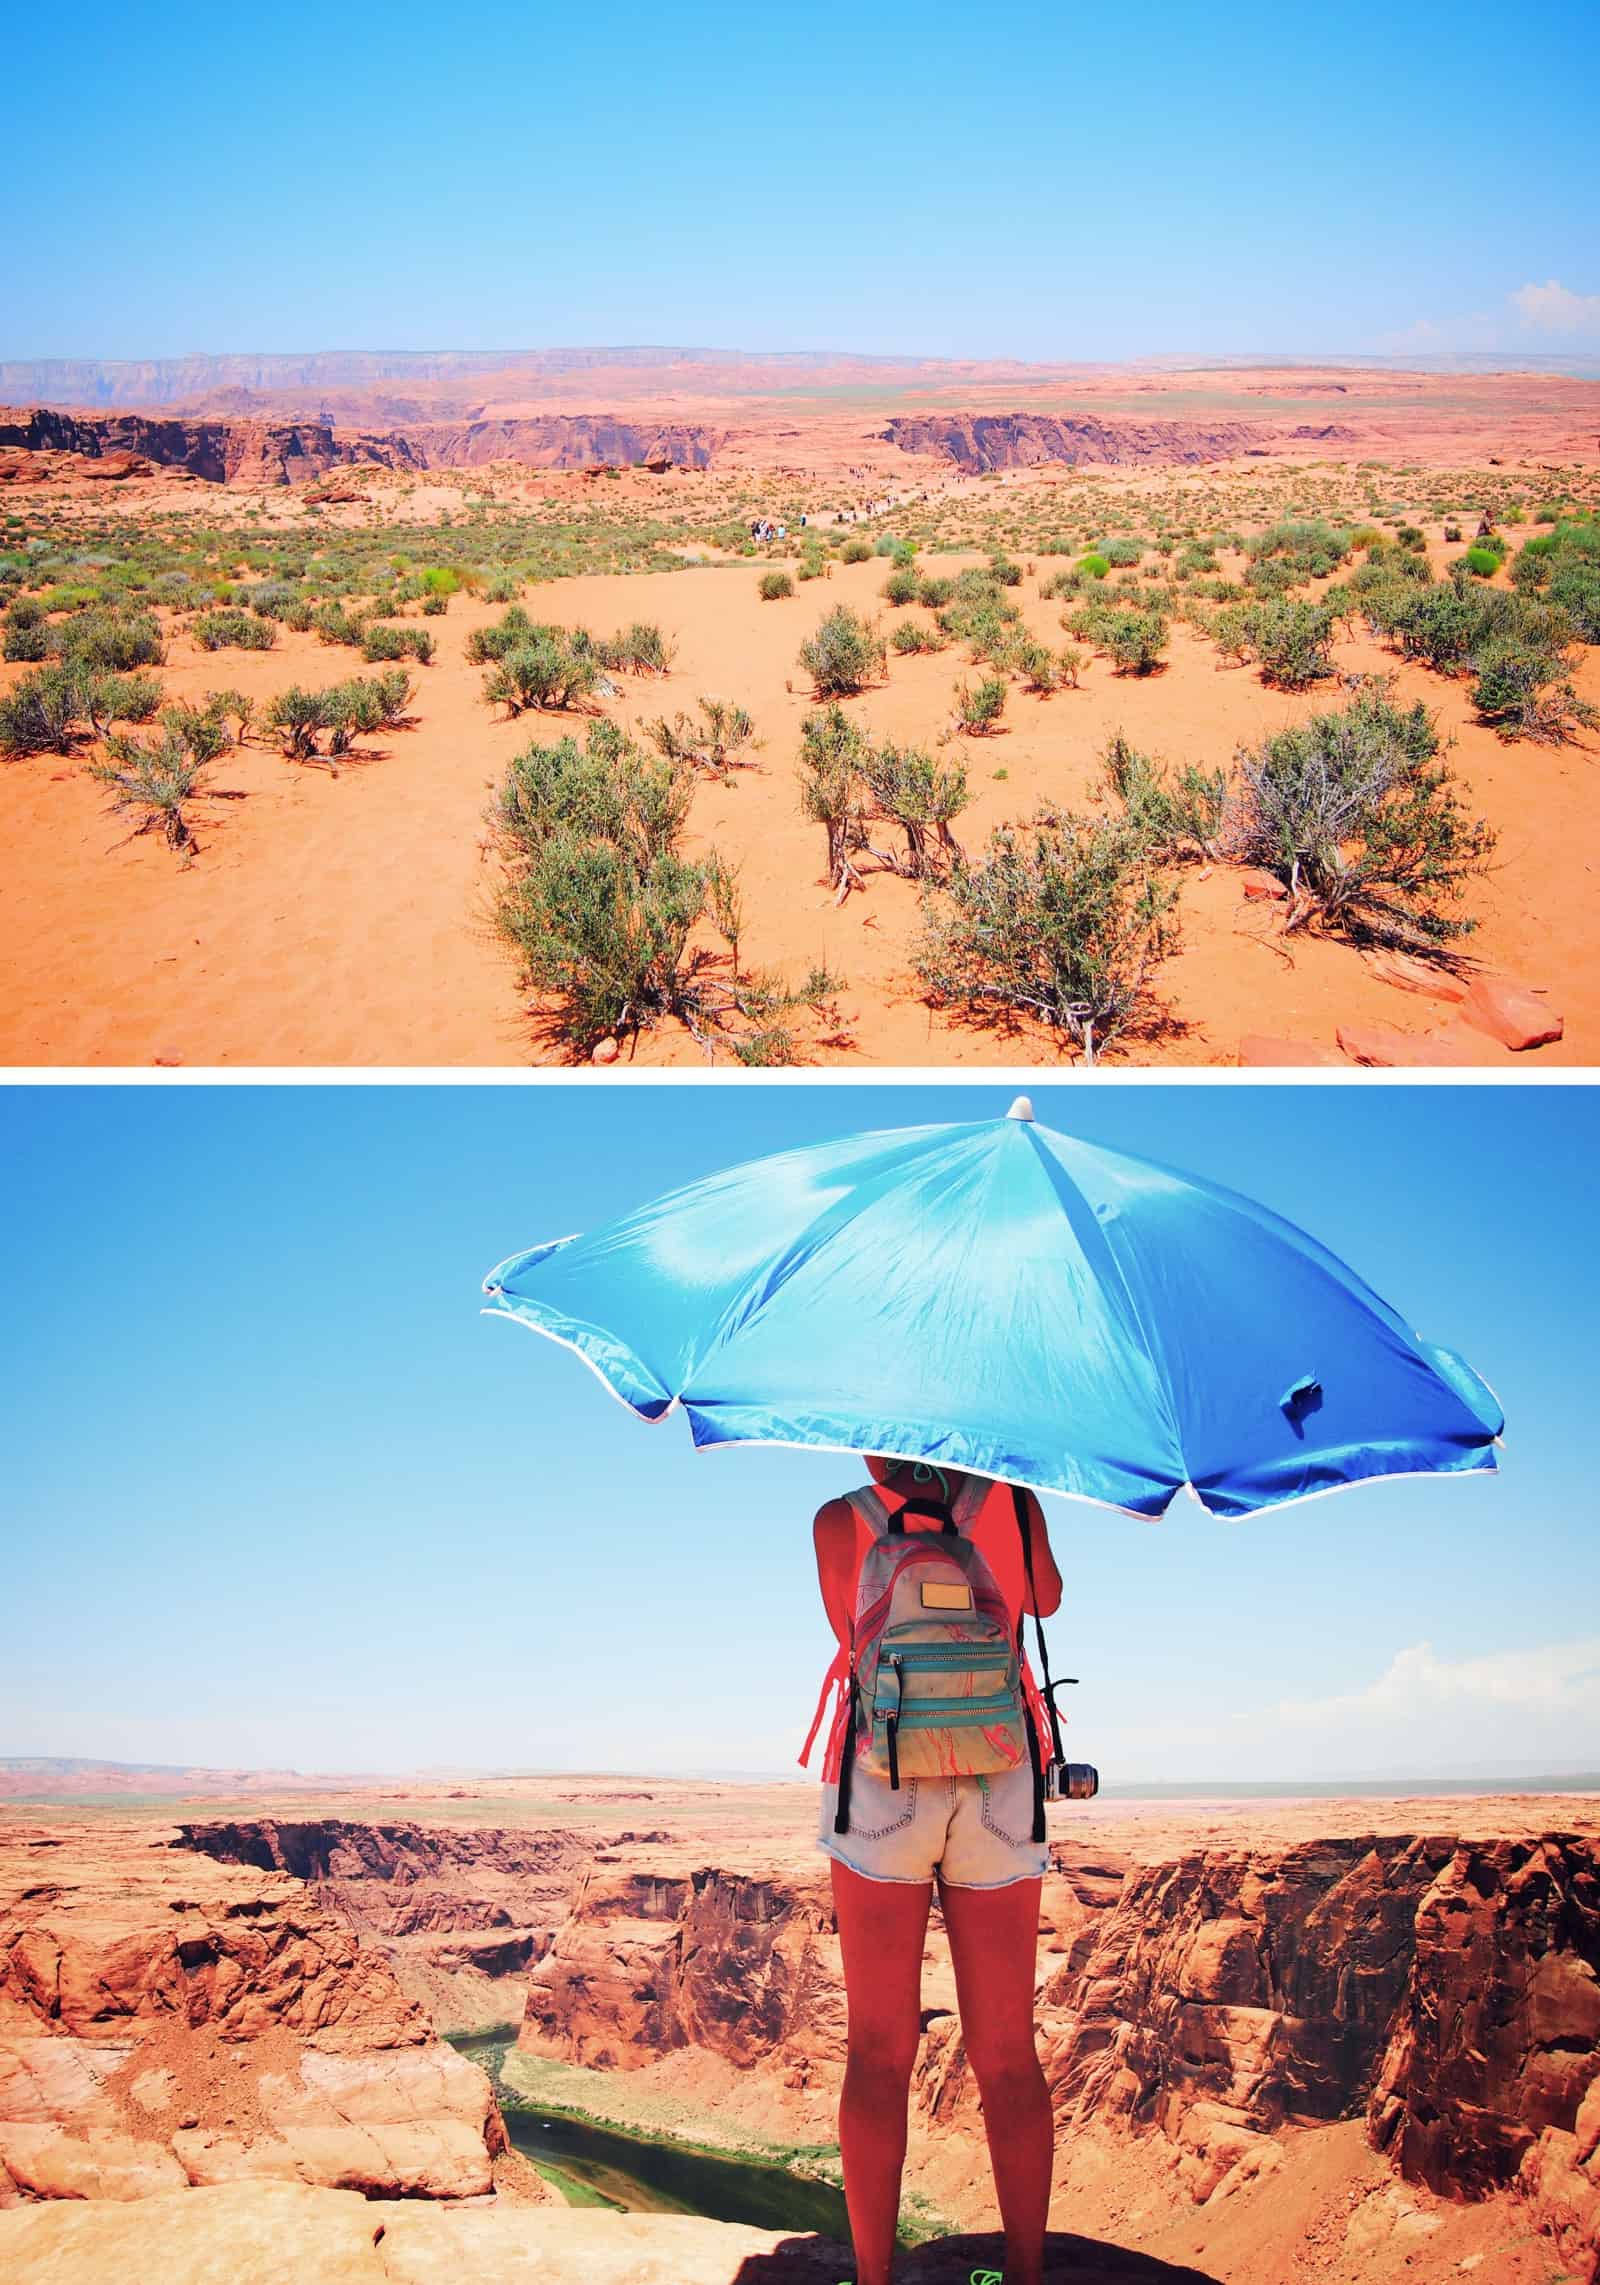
834, 1537
1046, 1578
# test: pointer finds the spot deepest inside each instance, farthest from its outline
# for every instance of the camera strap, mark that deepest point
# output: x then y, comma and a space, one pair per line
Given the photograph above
1019, 1502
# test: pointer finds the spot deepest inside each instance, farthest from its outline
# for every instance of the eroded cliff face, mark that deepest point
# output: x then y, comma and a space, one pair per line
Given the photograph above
260, 453
1445, 1994
165, 2019
980, 442
461, 1916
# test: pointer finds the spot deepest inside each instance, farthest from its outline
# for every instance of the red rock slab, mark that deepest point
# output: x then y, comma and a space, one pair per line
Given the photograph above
1259, 1050
1382, 1044
1257, 883
1409, 974
1511, 1013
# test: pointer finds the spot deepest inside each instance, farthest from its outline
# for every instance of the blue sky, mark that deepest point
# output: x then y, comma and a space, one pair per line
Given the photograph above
278, 1495
1053, 182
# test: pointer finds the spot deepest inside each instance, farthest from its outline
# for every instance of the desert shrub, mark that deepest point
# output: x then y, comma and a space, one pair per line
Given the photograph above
1004, 572
271, 598
1482, 562
934, 593
1195, 555
41, 713
980, 706
27, 634
1177, 818
108, 698
544, 670
717, 741
857, 550
237, 630
344, 711
1574, 588
1036, 663
1132, 639
332, 623
1309, 547
1070, 663
443, 580
231, 706
638, 649
908, 788
1120, 553
904, 553
902, 586
486, 644
1352, 810
774, 586
813, 564
110, 642
601, 903
1092, 566
1290, 642
832, 791
913, 635
382, 640
1061, 918
435, 606
844, 654
1524, 690
155, 781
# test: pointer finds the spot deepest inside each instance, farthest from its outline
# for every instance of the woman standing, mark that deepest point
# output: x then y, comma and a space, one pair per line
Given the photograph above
974, 1833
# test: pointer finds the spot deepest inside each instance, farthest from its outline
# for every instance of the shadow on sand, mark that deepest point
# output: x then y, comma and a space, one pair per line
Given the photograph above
1068, 2260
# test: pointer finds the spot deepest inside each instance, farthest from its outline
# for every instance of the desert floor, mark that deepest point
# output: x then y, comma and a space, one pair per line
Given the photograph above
344, 920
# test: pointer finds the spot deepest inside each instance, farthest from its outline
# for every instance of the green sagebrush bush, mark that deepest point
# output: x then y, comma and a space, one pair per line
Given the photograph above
601, 903
1364, 825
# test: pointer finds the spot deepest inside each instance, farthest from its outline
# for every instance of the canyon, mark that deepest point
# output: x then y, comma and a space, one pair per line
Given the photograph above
1373, 2025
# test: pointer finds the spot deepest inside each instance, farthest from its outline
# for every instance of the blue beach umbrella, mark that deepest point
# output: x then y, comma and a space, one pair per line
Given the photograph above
1008, 1300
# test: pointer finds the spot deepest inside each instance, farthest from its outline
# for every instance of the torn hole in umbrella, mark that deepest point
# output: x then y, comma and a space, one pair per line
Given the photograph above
1300, 1398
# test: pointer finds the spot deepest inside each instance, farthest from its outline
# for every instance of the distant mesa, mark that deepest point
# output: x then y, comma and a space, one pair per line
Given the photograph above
979, 443
263, 452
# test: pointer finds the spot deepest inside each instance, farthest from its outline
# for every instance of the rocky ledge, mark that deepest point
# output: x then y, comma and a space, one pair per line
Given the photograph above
168, 2020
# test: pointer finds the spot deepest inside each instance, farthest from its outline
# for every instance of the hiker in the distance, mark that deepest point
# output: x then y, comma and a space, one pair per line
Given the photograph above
934, 1770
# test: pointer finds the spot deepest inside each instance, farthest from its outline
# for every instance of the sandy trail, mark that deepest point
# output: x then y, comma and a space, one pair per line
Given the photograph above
342, 921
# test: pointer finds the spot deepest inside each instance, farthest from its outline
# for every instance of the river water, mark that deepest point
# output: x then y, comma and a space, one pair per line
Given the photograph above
636, 2173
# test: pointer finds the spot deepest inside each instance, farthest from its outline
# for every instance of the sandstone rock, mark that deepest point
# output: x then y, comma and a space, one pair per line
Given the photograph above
1409, 974
142, 1985
1382, 1044
1262, 885
604, 1051
1260, 1052
1517, 1017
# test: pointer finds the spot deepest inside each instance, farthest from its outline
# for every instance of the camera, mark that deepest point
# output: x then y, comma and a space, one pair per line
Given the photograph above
1071, 1781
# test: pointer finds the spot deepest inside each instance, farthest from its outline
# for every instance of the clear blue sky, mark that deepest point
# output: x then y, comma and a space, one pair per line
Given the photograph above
1051, 182
277, 1494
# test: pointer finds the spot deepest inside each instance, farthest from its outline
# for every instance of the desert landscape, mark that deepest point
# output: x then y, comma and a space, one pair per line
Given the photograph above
503, 712
388, 2029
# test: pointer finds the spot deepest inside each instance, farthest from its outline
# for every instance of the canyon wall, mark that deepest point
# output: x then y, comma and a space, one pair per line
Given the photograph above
166, 2019
259, 453
1202, 2012
978, 443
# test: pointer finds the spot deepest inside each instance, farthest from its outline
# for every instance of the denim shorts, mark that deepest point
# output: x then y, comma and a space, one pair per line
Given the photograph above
977, 1832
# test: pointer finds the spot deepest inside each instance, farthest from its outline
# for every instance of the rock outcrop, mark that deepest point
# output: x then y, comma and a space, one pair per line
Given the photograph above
980, 442
262, 453
460, 1915
263, 2233
166, 2019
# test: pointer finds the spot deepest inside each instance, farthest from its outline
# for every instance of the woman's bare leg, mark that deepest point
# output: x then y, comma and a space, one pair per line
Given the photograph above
994, 1938
882, 1928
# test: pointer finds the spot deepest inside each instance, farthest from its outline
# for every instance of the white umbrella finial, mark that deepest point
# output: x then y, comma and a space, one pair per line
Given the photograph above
1022, 1108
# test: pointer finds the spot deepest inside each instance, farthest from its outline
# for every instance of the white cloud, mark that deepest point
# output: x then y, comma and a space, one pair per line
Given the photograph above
1555, 308
1418, 1685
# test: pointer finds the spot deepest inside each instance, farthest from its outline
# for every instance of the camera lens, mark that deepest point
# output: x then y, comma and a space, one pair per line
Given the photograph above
1080, 1781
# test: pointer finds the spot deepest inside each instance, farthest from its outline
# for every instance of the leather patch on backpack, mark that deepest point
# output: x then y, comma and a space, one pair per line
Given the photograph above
946, 1595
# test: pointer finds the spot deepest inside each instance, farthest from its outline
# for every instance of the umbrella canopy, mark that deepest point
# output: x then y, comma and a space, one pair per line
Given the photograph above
1008, 1300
